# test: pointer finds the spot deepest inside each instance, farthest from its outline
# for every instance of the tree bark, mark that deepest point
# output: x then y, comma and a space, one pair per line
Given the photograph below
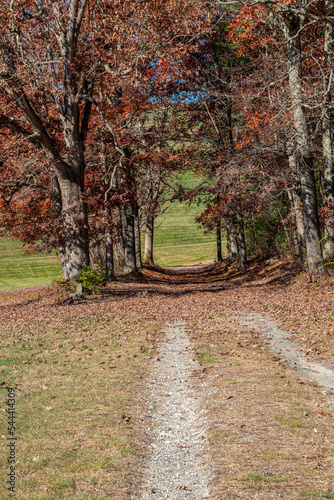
327, 147
291, 28
219, 242
298, 210
293, 218
232, 244
129, 240
137, 237
118, 237
241, 241
110, 271
75, 249
149, 233
312, 229
57, 207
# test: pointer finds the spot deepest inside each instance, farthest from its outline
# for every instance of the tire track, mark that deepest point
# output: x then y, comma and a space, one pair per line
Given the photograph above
177, 468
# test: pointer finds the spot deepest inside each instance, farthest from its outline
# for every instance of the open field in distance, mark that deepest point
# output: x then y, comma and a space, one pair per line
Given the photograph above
178, 240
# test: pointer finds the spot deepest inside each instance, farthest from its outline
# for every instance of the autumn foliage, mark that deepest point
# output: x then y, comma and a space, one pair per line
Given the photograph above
104, 104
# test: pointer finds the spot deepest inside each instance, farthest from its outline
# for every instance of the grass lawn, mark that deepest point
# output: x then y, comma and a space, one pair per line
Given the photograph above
18, 270
76, 373
177, 240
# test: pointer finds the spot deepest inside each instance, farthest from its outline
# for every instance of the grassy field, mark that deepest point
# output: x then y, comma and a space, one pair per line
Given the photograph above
18, 270
177, 240
76, 373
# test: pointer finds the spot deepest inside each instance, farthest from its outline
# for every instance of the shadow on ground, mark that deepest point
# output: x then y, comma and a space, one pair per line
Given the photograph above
189, 279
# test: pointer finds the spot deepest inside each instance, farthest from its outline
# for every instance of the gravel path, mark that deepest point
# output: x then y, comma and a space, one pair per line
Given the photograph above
176, 469
295, 354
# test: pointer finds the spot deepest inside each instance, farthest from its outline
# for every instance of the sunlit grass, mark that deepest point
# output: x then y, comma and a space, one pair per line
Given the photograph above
18, 270
76, 374
178, 240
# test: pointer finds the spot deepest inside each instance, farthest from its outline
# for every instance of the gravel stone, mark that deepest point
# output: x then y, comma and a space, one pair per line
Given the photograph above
280, 343
176, 469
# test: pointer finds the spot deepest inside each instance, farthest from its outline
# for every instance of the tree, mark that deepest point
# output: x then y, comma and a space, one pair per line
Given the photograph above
28, 198
304, 157
297, 23
327, 140
159, 156
215, 64
27, 79
58, 58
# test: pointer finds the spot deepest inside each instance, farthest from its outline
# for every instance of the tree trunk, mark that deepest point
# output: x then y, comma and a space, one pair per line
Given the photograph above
293, 218
291, 28
118, 237
57, 207
232, 244
75, 249
129, 240
327, 147
241, 241
298, 210
70, 175
110, 272
149, 232
64, 262
228, 243
312, 230
137, 237
219, 243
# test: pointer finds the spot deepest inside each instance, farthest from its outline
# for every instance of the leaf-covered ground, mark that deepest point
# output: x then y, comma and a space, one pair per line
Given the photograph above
79, 370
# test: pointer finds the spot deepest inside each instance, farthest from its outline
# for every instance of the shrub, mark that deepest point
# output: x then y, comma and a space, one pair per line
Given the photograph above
91, 279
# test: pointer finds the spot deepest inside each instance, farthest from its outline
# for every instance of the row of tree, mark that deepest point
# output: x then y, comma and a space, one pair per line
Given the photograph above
104, 104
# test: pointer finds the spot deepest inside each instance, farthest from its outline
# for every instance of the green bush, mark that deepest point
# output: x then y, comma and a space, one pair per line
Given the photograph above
91, 279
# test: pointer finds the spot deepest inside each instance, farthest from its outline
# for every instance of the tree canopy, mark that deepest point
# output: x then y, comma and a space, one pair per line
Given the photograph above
104, 104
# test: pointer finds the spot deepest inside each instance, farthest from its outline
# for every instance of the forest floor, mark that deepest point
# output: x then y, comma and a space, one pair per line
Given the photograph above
84, 374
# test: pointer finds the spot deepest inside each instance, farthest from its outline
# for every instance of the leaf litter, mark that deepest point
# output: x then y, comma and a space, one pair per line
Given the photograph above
272, 439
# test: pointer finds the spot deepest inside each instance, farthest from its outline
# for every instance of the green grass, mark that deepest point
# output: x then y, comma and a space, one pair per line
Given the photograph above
294, 424
261, 477
308, 495
18, 270
205, 354
177, 240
